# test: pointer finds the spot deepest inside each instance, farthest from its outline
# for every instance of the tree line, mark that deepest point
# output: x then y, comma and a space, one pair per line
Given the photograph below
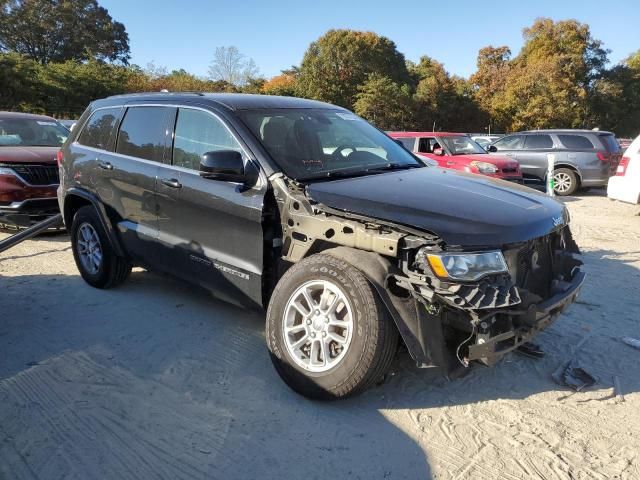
58, 55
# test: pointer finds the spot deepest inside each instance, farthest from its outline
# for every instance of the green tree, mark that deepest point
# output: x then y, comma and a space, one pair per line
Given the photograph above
550, 82
19, 84
489, 81
442, 101
336, 64
284, 84
615, 102
68, 87
59, 30
385, 103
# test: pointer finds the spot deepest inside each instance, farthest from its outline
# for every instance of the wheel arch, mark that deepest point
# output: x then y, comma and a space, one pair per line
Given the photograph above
421, 333
75, 199
570, 167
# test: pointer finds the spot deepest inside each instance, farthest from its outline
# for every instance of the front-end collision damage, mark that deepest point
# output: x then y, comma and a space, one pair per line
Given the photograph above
481, 320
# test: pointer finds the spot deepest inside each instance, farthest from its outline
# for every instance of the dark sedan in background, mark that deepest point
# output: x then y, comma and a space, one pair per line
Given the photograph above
28, 169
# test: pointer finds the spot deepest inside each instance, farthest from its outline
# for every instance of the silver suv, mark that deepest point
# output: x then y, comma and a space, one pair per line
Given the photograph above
584, 158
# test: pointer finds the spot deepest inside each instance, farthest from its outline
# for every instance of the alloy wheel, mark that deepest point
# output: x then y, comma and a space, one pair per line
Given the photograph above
318, 326
89, 248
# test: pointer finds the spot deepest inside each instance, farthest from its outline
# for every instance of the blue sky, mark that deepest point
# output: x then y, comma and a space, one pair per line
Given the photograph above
276, 33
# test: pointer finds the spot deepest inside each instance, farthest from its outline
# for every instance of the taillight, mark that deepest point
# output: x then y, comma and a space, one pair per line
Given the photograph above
603, 156
59, 158
622, 167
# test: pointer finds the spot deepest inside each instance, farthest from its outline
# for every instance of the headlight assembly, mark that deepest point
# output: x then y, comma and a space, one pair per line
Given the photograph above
485, 167
462, 266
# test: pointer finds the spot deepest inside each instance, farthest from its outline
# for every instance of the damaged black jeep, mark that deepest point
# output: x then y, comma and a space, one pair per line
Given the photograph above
351, 243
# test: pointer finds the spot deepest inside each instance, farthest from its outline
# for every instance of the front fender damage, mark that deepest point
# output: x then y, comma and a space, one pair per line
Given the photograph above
375, 249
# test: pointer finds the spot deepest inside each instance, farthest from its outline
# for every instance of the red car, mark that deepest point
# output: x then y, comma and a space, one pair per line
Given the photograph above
28, 168
459, 152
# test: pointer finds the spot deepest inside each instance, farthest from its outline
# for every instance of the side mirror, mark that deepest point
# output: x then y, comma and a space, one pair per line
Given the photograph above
491, 148
223, 165
438, 151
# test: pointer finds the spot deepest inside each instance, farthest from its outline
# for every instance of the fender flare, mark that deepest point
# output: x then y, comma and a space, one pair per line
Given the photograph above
102, 215
421, 332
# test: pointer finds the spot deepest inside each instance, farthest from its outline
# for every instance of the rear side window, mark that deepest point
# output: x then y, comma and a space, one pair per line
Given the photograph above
512, 142
578, 142
99, 129
143, 132
537, 142
199, 132
407, 142
610, 143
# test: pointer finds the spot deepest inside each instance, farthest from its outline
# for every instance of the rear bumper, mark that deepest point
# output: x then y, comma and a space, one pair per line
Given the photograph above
545, 313
624, 189
27, 212
594, 182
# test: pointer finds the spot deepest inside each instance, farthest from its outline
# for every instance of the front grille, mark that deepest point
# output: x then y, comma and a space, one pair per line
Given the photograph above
510, 170
532, 264
38, 174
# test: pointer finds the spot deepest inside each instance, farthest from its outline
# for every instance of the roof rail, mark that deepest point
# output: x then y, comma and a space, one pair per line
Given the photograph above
164, 91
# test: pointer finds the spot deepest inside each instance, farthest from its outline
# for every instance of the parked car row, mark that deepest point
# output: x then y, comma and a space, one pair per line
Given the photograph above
583, 159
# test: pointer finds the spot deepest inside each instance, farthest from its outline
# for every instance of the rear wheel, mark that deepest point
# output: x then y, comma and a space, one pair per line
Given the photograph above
97, 263
327, 332
565, 182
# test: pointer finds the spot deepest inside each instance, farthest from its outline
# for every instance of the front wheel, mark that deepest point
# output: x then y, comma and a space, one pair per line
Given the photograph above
328, 334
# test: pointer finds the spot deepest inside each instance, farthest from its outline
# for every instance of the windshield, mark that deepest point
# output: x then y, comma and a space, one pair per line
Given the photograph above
27, 132
461, 145
317, 143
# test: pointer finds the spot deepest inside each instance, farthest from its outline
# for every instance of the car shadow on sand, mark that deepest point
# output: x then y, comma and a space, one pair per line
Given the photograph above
157, 378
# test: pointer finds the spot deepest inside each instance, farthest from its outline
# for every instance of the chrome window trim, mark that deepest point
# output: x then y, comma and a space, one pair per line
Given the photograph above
249, 157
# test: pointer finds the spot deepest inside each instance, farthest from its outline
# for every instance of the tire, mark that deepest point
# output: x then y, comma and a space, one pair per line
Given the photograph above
111, 270
349, 367
565, 182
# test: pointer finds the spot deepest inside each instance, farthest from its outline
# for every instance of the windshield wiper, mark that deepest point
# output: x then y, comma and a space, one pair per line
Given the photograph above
359, 172
393, 166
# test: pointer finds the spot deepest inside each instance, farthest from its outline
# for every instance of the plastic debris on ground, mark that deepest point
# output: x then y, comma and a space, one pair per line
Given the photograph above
574, 376
634, 342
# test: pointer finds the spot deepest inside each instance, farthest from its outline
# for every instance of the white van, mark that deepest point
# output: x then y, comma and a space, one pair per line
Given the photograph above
625, 184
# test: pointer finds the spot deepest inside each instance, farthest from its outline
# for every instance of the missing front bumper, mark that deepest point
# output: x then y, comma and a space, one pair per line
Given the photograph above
545, 313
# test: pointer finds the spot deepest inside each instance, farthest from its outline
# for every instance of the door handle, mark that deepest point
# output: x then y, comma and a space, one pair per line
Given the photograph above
171, 183
509, 154
105, 165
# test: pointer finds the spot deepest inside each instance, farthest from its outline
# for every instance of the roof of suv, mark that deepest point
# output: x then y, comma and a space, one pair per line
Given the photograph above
25, 116
232, 101
568, 130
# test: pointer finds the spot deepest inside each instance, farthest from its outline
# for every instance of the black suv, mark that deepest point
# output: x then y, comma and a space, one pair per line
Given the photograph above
584, 158
350, 242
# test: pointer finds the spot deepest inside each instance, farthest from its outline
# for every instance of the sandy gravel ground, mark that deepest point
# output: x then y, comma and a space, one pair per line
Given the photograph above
159, 380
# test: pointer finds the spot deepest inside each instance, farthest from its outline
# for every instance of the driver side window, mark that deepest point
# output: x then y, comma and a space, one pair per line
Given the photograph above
198, 132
